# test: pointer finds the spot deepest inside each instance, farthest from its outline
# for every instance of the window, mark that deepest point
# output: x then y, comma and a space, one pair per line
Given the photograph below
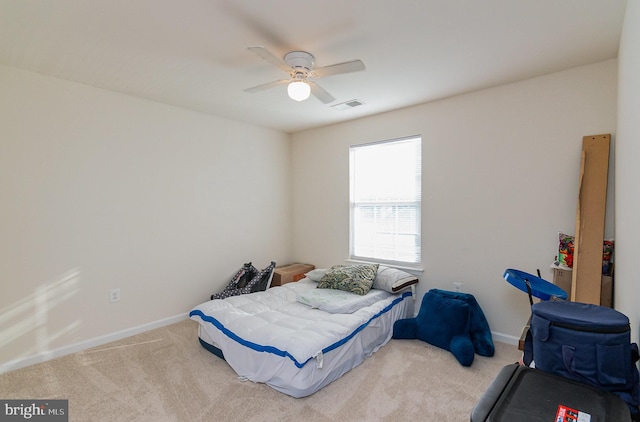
385, 201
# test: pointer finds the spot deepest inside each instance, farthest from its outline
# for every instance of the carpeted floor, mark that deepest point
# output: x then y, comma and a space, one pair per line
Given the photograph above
165, 375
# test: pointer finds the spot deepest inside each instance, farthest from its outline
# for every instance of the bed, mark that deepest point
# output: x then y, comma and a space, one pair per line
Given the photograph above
297, 338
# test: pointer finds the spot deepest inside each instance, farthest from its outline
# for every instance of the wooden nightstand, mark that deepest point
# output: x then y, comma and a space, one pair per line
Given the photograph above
289, 273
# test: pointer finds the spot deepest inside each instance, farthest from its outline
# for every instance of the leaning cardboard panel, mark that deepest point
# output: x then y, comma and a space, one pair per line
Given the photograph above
563, 279
592, 199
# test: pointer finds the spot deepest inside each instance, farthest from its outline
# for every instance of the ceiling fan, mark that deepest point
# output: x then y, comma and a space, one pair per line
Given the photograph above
299, 65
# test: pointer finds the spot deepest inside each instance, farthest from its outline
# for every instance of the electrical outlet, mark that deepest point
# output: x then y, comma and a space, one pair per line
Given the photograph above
457, 287
114, 295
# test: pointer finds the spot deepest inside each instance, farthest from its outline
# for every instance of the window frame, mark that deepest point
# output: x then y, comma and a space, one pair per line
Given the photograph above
353, 205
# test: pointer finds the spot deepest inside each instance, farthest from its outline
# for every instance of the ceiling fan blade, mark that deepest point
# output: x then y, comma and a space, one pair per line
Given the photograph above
271, 58
266, 86
320, 93
335, 69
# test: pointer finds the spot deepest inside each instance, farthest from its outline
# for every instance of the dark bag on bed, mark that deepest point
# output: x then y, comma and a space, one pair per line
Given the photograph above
587, 343
239, 280
247, 280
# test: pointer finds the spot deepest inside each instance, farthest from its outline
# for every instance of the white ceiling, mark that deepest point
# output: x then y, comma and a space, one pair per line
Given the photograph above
193, 53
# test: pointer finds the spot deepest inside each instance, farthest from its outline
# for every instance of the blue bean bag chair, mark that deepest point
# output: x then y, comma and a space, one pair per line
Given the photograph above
445, 320
479, 330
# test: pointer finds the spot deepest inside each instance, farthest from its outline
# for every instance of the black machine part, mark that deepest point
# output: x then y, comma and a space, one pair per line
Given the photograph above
523, 394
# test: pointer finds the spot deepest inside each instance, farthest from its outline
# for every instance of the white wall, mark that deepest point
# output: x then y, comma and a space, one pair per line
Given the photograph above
500, 178
627, 294
100, 190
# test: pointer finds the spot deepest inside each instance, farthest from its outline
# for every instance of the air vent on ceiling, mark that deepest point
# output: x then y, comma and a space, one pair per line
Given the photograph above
347, 105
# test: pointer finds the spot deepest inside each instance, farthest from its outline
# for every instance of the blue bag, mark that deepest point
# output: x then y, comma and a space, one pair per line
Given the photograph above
587, 343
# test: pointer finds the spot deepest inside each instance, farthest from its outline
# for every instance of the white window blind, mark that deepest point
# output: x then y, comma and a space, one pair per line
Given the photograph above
385, 201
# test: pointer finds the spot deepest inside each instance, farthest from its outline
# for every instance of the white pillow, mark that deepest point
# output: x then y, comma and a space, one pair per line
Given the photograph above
316, 275
393, 280
338, 301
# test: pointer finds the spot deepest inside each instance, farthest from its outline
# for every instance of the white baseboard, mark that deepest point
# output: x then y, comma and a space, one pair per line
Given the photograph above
87, 344
119, 335
505, 338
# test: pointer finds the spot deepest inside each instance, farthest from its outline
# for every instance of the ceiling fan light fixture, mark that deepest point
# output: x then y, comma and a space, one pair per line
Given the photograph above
300, 66
299, 90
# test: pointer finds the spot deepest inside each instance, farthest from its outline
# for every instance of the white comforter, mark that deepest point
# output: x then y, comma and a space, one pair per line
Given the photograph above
270, 337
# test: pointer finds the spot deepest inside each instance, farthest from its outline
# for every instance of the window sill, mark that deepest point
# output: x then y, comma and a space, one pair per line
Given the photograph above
411, 270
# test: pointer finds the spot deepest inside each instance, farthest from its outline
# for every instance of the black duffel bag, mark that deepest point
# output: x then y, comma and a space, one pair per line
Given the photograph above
587, 343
